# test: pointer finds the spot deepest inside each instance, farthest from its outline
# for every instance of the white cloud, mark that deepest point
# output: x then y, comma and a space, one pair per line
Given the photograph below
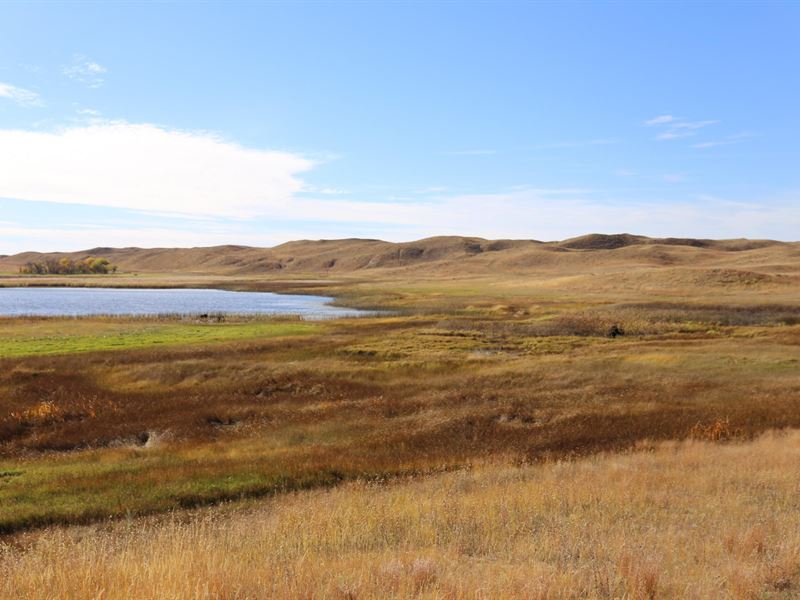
677, 127
179, 174
713, 144
20, 95
86, 71
726, 141
149, 168
326, 191
660, 120
17, 239
543, 215
692, 124
674, 135
523, 214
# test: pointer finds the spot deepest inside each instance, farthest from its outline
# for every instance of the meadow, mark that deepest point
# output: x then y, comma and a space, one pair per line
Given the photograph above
693, 520
488, 438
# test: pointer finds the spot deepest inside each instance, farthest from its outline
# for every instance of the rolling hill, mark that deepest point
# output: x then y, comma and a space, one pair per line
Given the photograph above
454, 255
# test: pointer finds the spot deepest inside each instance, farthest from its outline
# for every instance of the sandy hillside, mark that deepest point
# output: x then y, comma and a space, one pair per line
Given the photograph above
748, 261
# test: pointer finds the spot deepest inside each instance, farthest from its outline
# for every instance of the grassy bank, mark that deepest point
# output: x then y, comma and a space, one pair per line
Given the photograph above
40, 336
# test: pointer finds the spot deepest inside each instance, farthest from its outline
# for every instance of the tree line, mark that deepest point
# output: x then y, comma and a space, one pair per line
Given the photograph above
67, 266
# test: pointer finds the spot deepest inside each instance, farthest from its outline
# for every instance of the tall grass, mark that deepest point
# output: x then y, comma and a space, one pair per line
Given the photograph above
691, 520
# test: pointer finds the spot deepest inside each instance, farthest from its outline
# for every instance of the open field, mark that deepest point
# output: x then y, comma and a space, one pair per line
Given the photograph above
467, 396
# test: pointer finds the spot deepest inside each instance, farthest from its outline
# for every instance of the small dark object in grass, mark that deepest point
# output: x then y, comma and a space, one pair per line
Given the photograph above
143, 438
221, 421
615, 331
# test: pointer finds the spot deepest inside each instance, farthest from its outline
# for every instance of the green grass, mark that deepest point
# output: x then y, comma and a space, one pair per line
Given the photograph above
89, 485
65, 337
84, 486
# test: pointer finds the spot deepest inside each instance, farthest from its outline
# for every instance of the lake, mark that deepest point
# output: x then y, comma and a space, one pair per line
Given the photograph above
63, 301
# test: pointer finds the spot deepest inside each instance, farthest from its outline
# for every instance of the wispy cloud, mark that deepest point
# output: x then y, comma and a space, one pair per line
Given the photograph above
542, 214
692, 125
674, 134
20, 95
660, 120
713, 144
524, 214
86, 71
726, 141
674, 128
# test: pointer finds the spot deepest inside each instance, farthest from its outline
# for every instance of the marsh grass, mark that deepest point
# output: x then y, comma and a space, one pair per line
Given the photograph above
479, 369
28, 336
295, 405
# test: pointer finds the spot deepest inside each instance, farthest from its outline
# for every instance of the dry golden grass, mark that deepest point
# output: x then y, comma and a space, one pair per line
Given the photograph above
677, 520
498, 358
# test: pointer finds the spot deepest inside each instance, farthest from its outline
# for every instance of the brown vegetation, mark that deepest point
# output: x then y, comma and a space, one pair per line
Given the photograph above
500, 356
695, 521
418, 377
374, 397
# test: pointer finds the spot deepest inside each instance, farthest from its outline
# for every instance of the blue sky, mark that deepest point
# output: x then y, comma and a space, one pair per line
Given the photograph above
183, 124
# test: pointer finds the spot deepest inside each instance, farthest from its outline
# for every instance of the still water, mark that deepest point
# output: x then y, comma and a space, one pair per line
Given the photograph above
60, 301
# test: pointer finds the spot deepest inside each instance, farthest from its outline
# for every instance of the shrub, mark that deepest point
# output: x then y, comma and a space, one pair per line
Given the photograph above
67, 266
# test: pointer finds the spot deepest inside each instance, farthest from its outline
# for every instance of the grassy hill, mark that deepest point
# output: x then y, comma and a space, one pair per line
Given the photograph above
440, 255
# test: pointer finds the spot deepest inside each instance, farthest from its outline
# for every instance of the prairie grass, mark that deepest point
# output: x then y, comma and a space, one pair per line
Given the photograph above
450, 451
294, 405
693, 520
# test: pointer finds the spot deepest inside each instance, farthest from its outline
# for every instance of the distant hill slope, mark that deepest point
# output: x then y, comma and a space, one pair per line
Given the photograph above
446, 255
